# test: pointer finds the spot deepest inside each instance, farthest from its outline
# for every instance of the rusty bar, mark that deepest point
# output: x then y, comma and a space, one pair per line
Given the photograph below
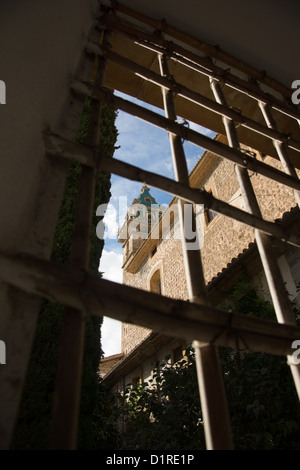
214, 405
207, 49
190, 135
20, 325
201, 100
173, 317
58, 147
68, 381
202, 65
280, 147
272, 271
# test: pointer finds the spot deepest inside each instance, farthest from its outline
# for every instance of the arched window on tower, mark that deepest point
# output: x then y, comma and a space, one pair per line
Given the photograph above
155, 282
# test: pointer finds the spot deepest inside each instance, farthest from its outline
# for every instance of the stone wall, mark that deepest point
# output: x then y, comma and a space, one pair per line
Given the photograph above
107, 363
224, 238
168, 259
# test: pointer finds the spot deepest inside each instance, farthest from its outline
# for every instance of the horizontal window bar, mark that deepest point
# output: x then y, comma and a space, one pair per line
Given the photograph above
83, 291
190, 135
195, 97
57, 146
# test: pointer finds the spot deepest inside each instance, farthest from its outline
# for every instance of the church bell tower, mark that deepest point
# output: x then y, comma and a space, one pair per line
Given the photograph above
143, 213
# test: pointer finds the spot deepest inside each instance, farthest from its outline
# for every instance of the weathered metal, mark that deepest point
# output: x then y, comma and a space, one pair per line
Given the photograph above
68, 381
185, 92
92, 295
279, 294
185, 133
280, 146
209, 372
203, 65
196, 320
58, 147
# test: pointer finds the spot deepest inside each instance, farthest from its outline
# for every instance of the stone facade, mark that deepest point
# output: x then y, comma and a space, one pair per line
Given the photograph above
161, 260
225, 238
107, 363
168, 258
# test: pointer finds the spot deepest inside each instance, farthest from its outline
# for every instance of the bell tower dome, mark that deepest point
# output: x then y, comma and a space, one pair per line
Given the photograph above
143, 213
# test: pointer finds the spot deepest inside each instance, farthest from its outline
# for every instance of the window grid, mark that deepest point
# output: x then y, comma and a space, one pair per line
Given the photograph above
214, 404
81, 292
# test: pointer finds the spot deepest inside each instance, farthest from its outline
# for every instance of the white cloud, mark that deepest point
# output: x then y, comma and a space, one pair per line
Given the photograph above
111, 266
111, 336
148, 147
110, 221
140, 142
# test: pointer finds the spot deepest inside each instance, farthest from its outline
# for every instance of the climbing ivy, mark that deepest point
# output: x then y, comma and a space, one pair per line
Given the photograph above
165, 412
34, 420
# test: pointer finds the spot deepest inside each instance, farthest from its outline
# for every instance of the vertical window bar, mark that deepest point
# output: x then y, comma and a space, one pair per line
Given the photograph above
273, 274
68, 381
279, 146
211, 386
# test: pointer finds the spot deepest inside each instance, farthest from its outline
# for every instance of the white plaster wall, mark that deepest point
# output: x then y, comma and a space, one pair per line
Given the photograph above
40, 46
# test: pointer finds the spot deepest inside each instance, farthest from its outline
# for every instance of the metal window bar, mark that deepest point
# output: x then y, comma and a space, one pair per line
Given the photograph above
190, 135
208, 49
181, 90
66, 404
81, 292
244, 180
280, 146
202, 65
56, 146
176, 150
20, 328
272, 271
214, 146
211, 386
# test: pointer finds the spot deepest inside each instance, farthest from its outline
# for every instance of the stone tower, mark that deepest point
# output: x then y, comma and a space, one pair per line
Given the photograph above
141, 217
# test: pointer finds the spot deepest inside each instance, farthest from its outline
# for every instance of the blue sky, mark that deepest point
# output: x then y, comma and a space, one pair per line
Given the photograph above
148, 147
